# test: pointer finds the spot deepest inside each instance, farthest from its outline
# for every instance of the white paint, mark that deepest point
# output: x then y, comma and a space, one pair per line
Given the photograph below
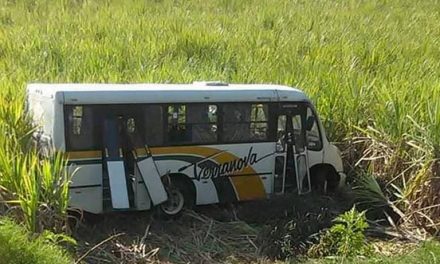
87, 199
162, 93
206, 194
88, 174
118, 184
332, 156
152, 180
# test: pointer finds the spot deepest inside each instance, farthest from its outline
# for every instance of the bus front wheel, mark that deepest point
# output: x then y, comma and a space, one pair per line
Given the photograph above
180, 197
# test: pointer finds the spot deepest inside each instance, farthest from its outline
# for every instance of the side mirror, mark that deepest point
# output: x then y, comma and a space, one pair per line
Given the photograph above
310, 122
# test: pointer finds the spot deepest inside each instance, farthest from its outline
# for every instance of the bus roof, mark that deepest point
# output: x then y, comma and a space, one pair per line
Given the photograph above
167, 93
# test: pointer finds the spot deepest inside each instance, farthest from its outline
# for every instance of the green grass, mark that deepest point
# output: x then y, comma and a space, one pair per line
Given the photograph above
16, 247
428, 253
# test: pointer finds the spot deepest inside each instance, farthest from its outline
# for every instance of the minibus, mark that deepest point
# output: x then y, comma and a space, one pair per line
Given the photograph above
173, 146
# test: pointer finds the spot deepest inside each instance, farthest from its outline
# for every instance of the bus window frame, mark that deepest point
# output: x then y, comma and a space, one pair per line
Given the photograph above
273, 113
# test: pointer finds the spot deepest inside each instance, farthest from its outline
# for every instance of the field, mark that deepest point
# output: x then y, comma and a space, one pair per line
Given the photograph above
371, 67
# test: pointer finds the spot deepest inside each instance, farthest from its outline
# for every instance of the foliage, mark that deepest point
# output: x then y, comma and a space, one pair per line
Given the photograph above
368, 195
35, 188
17, 247
345, 238
367, 191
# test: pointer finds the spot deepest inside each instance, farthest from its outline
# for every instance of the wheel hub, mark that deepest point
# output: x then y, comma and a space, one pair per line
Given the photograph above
175, 202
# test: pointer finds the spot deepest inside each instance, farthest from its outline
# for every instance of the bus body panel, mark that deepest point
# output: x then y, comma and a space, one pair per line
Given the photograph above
142, 201
315, 157
206, 192
247, 168
85, 190
58, 126
87, 199
85, 175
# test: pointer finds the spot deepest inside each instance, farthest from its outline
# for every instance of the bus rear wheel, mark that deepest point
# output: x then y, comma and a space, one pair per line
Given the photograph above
180, 197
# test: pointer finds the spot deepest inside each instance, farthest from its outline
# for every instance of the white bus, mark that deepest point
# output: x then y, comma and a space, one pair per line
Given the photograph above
137, 146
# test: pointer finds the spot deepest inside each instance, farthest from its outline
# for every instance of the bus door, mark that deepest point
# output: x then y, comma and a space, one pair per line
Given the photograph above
292, 162
114, 180
137, 161
147, 169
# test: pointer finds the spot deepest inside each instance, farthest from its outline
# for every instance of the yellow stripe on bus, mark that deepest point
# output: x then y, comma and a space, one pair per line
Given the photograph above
140, 152
90, 154
247, 187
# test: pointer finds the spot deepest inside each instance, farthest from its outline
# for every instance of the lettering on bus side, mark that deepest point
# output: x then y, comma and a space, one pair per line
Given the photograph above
225, 169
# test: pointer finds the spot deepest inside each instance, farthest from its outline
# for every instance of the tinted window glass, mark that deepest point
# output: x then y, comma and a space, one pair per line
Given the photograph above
244, 122
177, 130
236, 120
80, 128
154, 125
192, 124
314, 141
259, 121
202, 123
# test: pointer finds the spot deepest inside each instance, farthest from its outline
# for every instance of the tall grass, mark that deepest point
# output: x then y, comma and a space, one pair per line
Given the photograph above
36, 189
372, 67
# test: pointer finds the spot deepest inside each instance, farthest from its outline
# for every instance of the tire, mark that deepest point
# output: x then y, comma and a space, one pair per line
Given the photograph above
325, 180
180, 197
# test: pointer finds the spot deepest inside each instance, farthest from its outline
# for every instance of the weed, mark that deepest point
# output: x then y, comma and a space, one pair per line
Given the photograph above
345, 238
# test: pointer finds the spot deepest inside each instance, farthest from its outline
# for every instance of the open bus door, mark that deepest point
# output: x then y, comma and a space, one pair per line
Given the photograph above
125, 161
291, 159
149, 173
114, 164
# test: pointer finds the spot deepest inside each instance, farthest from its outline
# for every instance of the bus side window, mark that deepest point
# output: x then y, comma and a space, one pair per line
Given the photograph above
245, 122
177, 130
259, 121
80, 128
77, 114
236, 121
314, 141
154, 125
202, 121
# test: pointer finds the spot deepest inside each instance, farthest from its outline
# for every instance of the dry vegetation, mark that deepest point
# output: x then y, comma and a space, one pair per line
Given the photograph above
212, 234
